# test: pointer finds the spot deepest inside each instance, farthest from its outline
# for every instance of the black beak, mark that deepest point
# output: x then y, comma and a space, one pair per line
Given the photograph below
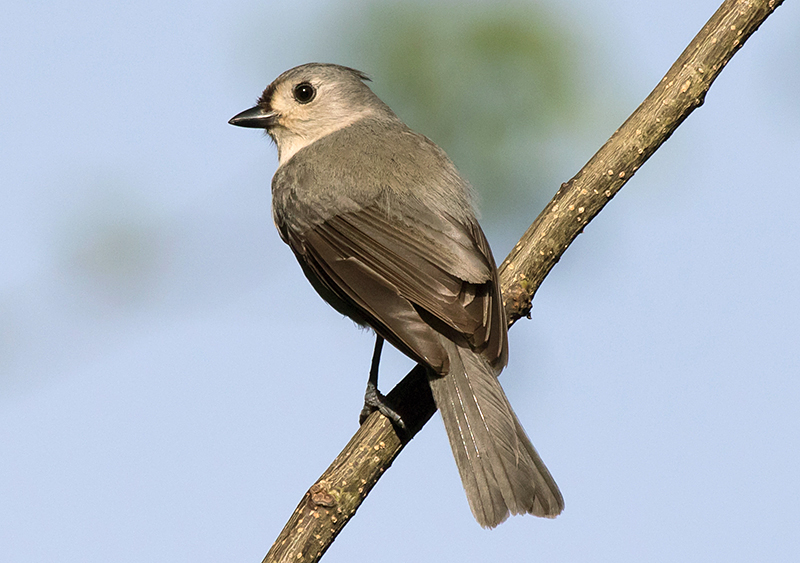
255, 117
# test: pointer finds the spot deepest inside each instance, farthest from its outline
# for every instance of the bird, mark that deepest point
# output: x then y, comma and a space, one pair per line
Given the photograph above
385, 230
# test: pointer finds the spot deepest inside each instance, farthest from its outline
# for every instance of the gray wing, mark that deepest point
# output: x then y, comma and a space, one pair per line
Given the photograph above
410, 277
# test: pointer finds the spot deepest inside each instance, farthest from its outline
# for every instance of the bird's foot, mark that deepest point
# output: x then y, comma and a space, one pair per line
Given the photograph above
374, 400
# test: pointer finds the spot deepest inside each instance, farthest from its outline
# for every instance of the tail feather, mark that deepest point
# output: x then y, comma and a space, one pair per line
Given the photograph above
499, 467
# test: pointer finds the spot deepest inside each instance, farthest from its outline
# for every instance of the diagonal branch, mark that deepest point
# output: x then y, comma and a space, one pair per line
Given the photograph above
335, 497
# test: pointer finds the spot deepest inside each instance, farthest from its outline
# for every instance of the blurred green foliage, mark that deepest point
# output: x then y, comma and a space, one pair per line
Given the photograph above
111, 244
492, 84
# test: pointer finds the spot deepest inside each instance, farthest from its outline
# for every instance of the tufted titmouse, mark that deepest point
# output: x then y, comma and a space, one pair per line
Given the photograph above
384, 229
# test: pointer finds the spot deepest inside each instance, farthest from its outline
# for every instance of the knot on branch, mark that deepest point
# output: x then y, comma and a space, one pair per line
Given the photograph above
319, 496
517, 300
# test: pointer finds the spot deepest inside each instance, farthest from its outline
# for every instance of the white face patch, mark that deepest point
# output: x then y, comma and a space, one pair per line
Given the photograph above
300, 124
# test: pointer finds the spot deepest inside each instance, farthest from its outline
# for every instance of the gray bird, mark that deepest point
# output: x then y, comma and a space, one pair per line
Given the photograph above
384, 229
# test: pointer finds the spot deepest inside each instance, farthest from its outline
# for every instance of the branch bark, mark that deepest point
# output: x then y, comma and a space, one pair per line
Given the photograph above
335, 497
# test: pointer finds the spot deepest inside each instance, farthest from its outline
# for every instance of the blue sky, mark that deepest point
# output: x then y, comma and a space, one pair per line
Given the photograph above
170, 385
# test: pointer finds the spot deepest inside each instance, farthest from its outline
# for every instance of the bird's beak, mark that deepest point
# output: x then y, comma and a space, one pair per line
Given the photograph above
256, 117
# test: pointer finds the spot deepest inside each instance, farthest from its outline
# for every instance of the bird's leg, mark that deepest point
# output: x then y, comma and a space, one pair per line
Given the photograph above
374, 400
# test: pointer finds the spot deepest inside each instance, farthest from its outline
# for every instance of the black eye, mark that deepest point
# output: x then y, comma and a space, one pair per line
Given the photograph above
304, 92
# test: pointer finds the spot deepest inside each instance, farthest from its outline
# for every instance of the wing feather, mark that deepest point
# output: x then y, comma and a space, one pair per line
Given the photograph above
409, 273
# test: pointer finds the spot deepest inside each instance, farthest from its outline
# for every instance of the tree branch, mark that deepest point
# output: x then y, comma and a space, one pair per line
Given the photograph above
335, 497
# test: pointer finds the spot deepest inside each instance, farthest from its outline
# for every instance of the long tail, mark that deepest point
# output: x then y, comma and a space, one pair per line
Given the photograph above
500, 469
